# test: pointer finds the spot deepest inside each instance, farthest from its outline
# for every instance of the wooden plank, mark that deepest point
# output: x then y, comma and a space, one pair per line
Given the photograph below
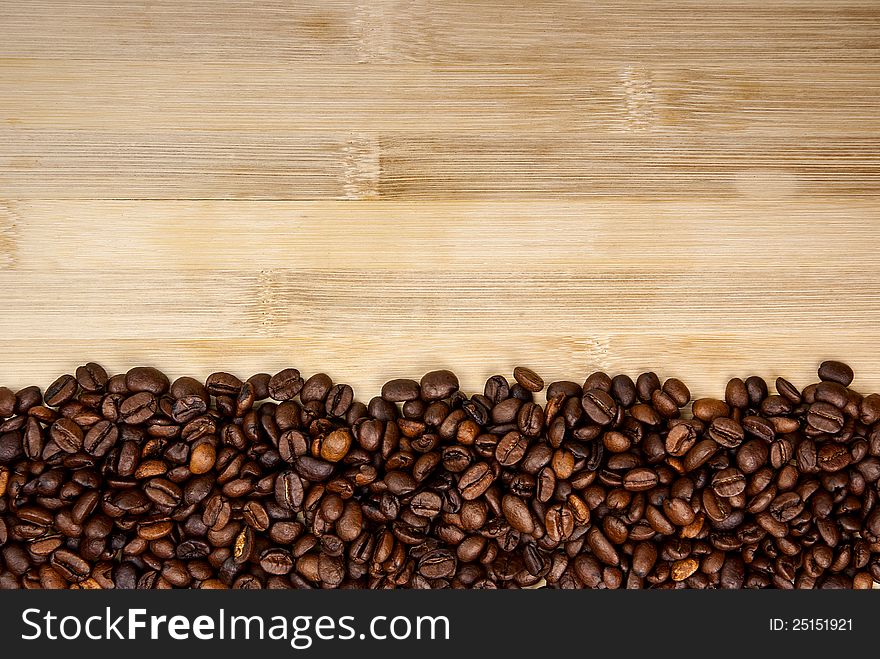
452, 31
758, 100
38, 238
65, 164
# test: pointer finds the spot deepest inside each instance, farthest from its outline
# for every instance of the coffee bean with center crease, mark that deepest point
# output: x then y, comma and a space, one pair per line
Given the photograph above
60, 391
639, 479
67, 435
599, 406
475, 480
530, 419
339, 399
528, 378
223, 384
729, 482
726, 432
825, 417
285, 384
511, 448
138, 408
70, 566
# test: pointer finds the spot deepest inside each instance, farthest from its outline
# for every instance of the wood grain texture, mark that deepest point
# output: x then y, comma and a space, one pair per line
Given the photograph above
379, 189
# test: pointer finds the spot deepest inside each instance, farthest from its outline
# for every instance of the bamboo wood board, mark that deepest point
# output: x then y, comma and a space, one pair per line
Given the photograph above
381, 188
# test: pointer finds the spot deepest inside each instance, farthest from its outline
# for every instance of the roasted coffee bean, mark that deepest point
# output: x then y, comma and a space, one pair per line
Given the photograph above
438, 385
138, 408
285, 384
511, 449
60, 391
528, 378
599, 406
833, 371
146, 379
67, 435
400, 390
825, 417
729, 482
726, 432
475, 481
639, 479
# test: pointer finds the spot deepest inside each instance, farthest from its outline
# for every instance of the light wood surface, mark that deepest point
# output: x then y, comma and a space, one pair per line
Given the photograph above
377, 189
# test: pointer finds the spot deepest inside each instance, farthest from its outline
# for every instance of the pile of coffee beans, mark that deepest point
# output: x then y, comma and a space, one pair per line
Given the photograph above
278, 481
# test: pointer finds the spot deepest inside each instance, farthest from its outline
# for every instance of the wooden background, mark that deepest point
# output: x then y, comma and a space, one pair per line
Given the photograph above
376, 189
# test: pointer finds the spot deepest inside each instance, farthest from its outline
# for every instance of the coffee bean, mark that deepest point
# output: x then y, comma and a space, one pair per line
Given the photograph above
729, 482
339, 399
476, 480
639, 479
401, 390
709, 409
138, 408
681, 439
67, 435
438, 385
825, 417
517, 514
726, 432
646, 384
223, 384
599, 406
528, 378
60, 391
285, 384
146, 379
511, 449
336, 445
833, 371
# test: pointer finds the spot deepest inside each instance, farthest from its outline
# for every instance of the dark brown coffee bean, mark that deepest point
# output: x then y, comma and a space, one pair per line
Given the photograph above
729, 482
726, 432
60, 391
530, 419
146, 379
639, 479
736, 394
511, 449
339, 399
709, 409
138, 408
475, 481
285, 384
825, 417
517, 513
759, 427
599, 406
677, 391
646, 385
67, 435
400, 390
438, 385
833, 371
223, 384
681, 439
528, 378
752, 455
100, 438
